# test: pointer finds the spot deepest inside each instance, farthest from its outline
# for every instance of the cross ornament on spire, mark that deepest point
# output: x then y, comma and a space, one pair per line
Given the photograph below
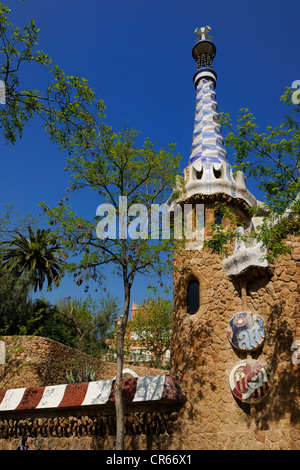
203, 33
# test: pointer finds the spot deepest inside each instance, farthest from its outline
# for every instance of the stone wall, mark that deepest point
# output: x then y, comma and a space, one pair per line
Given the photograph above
145, 430
33, 361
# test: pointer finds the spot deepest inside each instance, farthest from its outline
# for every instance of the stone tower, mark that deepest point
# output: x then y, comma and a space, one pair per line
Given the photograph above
236, 323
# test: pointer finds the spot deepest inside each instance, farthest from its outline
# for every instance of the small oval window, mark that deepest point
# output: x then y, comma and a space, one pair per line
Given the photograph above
193, 297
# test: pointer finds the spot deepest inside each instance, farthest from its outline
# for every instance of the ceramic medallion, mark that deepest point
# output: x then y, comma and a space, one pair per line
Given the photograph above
249, 381
246, 331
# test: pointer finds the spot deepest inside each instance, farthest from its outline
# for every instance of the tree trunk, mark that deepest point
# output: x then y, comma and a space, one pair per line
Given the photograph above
118, 385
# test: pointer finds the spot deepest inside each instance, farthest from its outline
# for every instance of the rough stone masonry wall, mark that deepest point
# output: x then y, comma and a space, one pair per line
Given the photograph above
33, 361
146, 428
202, 357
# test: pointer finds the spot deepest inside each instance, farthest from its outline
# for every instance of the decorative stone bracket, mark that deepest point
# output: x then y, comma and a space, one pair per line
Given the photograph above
243, 257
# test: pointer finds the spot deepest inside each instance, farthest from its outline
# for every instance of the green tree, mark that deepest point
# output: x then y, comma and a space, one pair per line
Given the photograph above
101, 160
20, 315
91, 320
14, 301
151, 327
115, 167
67, 105
272, 158
36, 254
43, 319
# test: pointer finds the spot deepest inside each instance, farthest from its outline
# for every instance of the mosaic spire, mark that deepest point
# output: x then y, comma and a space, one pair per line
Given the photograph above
207, 137
209, 171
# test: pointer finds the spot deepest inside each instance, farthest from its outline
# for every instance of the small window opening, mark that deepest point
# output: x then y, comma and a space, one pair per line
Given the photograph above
199, 174
193, 297
218, 218
217, 173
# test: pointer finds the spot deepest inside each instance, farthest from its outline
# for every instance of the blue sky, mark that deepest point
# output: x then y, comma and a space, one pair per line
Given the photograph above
137, 56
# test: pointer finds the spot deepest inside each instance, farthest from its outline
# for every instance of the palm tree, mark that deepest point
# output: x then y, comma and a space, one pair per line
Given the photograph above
36, 254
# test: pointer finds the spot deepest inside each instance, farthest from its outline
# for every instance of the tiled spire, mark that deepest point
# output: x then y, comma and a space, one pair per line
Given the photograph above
209, 171
207, 138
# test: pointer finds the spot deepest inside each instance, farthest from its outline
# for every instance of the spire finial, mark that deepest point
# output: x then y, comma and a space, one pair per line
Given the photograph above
204, 52
203, 33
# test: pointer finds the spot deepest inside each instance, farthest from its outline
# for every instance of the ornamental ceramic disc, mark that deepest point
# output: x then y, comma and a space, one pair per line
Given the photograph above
245, 331
249, 381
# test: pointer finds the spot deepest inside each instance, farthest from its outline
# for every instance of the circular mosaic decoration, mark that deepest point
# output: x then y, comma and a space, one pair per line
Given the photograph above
245, 331
249, 381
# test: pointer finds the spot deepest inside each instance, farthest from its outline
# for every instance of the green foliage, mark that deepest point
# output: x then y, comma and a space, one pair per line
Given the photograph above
81, 373
20, 315
218, 242
36, 255
115, 165
177, 192
45, 320
150, 329
14, 301
11, 222
26, 264
90, 320
87, 329
223, 236
67, 106
109, 164
272, 158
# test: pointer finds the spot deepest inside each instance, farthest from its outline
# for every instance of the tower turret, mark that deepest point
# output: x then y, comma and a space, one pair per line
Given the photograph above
209, 177
209, 171
233, 319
